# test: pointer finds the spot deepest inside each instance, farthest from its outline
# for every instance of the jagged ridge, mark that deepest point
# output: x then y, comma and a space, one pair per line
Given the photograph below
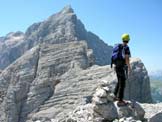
58, 48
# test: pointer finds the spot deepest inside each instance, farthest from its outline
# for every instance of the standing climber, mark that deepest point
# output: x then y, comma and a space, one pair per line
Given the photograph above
120, 58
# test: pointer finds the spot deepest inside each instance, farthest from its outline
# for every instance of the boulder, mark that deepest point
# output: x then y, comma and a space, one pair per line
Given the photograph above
99, 111
153, 112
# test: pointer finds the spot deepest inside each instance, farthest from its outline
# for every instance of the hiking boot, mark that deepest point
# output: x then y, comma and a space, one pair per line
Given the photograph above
116, 99
122, 103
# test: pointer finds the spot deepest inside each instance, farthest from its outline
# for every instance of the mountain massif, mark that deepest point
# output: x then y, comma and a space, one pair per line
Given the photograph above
57, 66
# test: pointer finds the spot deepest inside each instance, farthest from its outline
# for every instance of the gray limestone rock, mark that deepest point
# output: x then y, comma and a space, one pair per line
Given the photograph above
131, 110
10, 48
107, 111
51, 70
45, 99
138, 83
61, 27
15, 83
153, 112
156, 118
30, 81
77, 88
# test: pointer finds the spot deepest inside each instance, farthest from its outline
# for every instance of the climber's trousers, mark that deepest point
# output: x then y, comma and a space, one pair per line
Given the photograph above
120, 86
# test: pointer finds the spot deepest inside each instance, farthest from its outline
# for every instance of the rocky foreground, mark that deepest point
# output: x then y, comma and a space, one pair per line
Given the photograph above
58, 71
102, 108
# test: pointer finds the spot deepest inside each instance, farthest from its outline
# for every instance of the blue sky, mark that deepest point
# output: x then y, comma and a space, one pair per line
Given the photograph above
142, 19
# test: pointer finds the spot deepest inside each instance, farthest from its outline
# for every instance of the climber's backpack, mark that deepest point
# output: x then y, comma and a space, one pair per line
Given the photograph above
118, 55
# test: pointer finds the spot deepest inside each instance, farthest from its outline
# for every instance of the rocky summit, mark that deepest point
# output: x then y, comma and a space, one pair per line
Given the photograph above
57, 71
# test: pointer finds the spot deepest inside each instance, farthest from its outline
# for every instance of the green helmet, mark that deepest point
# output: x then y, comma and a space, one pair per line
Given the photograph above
125, 37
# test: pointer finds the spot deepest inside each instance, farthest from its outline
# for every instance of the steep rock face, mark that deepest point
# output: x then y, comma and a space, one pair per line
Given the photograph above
35, 75
58, 28
76, 89
54, 62
64, 27
30, 81
101, 50
15, 83
11, 48
138, 85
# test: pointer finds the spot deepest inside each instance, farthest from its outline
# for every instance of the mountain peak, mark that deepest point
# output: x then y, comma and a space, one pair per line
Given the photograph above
67, 9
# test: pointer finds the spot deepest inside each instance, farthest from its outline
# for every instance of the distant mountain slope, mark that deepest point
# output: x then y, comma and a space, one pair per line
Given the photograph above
61, 27
11, 47
156, 85
156, 75
156, 90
